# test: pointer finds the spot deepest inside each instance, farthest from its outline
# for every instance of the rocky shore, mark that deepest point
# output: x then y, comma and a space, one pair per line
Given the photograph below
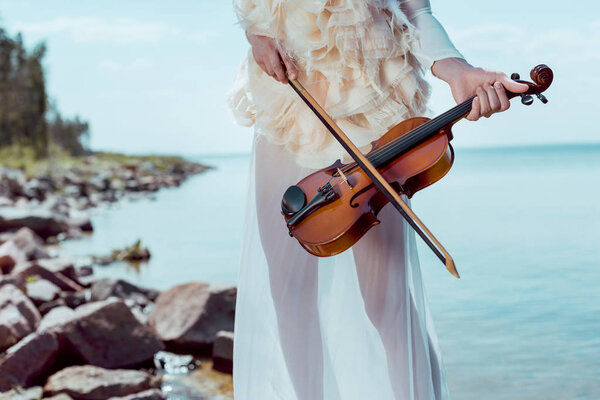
65, 334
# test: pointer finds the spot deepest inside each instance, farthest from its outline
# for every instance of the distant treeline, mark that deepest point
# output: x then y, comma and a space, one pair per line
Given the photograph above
26, 116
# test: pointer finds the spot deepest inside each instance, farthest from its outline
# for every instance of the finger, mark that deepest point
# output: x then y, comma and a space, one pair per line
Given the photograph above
511, 85
277, 67
484, 105
504, 102
493, 100
474, 114
289, 65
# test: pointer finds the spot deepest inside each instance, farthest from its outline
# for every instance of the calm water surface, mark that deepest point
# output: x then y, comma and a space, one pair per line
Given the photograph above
523, 225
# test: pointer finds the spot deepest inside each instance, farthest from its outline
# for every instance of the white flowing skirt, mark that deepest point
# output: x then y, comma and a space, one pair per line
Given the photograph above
351, 327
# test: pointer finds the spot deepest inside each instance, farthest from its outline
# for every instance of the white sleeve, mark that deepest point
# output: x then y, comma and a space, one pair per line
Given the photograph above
434, 43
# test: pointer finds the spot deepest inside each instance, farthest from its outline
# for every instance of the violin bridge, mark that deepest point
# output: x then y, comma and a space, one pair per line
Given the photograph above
344, 178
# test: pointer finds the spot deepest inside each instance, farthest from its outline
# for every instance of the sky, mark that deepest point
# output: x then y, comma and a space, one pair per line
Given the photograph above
152, 76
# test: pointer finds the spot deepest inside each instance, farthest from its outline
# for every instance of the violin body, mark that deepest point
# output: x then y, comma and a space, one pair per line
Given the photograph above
336, 226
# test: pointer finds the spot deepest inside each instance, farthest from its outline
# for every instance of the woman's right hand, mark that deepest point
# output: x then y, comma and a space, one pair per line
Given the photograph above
271, 57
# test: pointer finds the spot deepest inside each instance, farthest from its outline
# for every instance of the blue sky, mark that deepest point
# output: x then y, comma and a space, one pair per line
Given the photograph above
152, 76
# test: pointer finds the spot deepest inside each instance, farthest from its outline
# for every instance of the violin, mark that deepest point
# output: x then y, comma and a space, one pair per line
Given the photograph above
331, 209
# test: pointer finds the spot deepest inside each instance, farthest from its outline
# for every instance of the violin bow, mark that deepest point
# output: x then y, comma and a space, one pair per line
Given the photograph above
377, 178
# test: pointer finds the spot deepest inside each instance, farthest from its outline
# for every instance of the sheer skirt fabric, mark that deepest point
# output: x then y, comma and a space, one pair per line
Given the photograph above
351, 327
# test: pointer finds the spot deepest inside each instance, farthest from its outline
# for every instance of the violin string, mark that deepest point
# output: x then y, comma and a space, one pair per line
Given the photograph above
400, 145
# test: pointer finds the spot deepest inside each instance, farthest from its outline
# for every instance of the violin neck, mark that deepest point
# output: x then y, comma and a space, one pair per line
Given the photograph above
392, 150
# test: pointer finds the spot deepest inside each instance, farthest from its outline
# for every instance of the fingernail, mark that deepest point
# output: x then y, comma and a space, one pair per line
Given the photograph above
498, 85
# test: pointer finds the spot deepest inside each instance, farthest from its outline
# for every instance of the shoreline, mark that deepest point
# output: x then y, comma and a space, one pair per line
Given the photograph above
55, 297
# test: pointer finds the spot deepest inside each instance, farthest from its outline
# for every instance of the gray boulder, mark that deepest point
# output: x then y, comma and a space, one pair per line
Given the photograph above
102, 289
18, 316
43, 222
189, 316
28, 360
93, 383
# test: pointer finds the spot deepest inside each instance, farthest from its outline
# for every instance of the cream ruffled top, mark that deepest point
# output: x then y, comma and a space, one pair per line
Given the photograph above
354, 56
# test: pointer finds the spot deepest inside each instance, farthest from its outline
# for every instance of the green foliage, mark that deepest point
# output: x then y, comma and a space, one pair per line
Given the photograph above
24, 110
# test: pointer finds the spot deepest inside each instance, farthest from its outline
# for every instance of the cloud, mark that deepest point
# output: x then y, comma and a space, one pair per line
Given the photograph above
575, 44
122, 31
135, 66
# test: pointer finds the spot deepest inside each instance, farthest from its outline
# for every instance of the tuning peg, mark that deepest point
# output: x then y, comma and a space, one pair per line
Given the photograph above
540, 96
526, 99
515, 76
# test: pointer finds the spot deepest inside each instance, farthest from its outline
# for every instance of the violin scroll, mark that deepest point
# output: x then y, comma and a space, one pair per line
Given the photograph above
542, 77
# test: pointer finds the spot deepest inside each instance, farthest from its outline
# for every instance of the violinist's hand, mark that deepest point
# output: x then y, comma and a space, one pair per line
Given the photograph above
466, 81
271, 57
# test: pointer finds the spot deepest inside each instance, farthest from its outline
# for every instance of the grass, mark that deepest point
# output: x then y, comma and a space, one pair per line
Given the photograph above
23, 158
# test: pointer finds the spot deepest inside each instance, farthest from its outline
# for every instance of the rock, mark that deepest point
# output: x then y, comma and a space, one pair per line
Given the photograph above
31, 244
18, 316
12, 182
102, 289
64, 265
75, 299
84, 270
190, 315
28, 360
19, 247
41, 291
81, 221
42, 221
93, 383
175, 364
55, 317
34, 393
61, 396
152, 394
5, 202
13, 280
107, 334
33, 269
51, 305
139, 315
223, 352
10, 255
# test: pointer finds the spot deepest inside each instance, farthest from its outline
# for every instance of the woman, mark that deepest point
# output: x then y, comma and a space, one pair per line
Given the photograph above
355, 326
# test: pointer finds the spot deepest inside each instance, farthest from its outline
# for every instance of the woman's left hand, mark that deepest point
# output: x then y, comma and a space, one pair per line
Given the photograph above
466, 81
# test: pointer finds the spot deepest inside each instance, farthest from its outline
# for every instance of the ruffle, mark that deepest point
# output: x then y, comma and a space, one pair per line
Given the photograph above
353, 56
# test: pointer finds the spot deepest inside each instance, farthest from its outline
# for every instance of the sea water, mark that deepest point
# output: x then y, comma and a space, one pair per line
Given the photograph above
523, 225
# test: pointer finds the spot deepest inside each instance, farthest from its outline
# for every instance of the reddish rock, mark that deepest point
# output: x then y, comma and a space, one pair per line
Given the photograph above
190, 315
152, 394
42, 291
107, 334
12, 280
223, 352
28, 360
10, 255
33, 269
18, 316
93, 383
20, 247
62, 265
